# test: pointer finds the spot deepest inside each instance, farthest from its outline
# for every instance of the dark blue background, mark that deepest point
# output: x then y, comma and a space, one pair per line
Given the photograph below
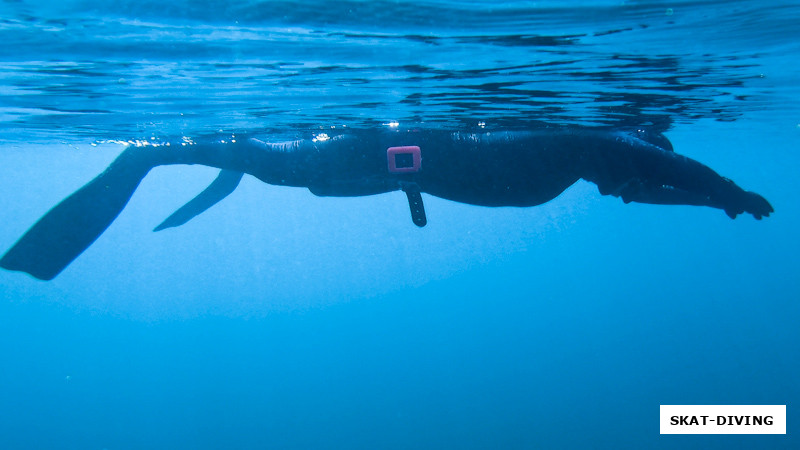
280, 320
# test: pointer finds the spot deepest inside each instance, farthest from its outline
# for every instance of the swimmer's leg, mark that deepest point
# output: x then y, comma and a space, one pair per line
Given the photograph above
74, 224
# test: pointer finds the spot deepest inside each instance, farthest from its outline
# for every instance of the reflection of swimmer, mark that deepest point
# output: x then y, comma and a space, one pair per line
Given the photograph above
523, 168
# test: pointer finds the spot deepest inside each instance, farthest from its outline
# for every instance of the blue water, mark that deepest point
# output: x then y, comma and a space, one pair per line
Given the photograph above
280, 320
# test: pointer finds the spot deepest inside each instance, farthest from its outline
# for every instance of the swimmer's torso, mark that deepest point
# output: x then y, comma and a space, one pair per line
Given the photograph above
504, 168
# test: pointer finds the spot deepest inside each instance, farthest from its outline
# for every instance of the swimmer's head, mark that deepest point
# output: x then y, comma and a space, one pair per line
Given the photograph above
651, 137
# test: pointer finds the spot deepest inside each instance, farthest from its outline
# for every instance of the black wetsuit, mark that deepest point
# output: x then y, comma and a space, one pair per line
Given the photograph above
506, 168
499, 168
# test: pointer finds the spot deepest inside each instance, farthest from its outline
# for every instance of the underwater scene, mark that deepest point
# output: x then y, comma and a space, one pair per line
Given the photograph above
429, 224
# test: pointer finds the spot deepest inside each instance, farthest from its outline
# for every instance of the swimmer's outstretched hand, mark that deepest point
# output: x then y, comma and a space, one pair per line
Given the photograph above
752, 203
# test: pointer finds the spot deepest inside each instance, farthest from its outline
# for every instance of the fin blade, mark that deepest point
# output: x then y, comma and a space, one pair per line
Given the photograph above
225, 183
73, 225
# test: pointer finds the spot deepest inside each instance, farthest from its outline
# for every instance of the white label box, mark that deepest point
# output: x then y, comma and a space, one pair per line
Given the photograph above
723, 419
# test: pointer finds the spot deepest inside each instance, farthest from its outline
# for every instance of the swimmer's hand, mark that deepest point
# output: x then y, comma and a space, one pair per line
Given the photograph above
749, 202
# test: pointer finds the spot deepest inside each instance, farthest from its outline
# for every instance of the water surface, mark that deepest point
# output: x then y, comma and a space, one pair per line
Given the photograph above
285, 321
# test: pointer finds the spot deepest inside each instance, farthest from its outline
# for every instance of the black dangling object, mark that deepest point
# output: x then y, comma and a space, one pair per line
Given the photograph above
415, 204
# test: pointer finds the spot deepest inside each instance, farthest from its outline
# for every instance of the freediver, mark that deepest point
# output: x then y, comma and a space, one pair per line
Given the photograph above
497, 168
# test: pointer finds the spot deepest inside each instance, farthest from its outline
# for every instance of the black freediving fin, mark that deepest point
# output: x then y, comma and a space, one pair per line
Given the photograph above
71, 226
221, 187
415, 204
